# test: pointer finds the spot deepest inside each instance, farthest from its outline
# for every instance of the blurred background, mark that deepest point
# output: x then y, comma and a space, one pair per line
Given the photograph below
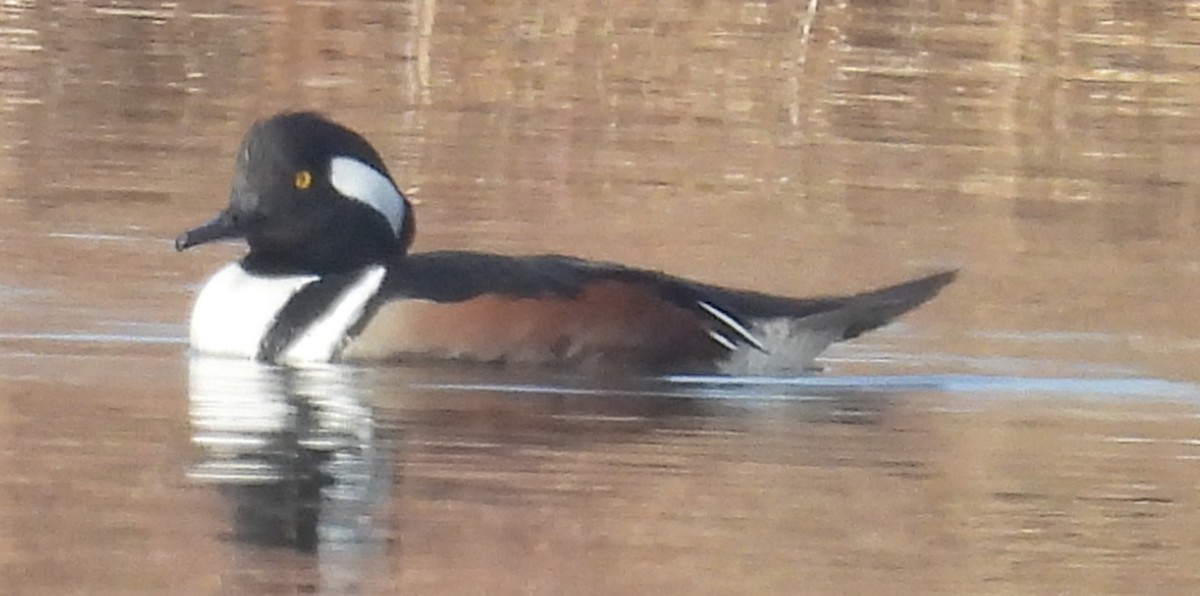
1032, 430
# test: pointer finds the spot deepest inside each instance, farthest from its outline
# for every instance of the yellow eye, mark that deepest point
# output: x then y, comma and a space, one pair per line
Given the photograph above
303, 179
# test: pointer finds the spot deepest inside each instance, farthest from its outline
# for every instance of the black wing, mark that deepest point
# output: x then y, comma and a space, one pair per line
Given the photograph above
450, 276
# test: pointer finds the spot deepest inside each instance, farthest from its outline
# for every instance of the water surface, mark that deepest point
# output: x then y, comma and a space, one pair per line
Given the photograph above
1033, 430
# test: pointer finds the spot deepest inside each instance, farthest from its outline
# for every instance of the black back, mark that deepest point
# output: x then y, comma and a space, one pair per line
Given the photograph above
450, 276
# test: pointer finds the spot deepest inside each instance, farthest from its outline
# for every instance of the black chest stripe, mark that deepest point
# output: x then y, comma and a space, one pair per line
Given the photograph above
300, 312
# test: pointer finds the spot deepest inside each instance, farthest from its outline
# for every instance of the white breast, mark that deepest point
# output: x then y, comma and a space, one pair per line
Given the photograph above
235, 310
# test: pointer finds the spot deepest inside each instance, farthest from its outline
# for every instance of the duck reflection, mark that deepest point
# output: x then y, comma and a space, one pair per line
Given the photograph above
295, 452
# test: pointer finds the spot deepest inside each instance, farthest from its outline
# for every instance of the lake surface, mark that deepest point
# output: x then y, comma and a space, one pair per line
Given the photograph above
1033, 430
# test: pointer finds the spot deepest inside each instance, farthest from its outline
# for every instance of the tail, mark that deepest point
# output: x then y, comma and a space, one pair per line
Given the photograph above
870, 310
837, 317
792, 332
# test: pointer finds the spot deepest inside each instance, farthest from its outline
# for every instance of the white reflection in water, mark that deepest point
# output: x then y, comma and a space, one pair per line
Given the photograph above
295, 452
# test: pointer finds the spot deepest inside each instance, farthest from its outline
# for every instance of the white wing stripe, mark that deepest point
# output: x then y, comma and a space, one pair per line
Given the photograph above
731, 323
721, 339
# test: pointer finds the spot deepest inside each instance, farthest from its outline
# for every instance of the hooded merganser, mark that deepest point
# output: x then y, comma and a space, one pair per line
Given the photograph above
328, 277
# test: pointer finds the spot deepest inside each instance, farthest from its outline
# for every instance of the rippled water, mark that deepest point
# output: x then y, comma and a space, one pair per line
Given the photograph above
1033, 430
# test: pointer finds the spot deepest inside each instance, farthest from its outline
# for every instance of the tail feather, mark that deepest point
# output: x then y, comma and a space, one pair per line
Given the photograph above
796, 331
870, 310
858, 312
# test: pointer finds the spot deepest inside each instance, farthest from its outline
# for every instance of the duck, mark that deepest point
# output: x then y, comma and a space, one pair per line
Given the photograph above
329, 276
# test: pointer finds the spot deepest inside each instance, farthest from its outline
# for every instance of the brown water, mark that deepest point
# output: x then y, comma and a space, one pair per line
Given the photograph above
1033, 430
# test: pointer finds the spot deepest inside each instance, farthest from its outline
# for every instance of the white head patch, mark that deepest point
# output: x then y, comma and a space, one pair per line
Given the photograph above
363, 183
